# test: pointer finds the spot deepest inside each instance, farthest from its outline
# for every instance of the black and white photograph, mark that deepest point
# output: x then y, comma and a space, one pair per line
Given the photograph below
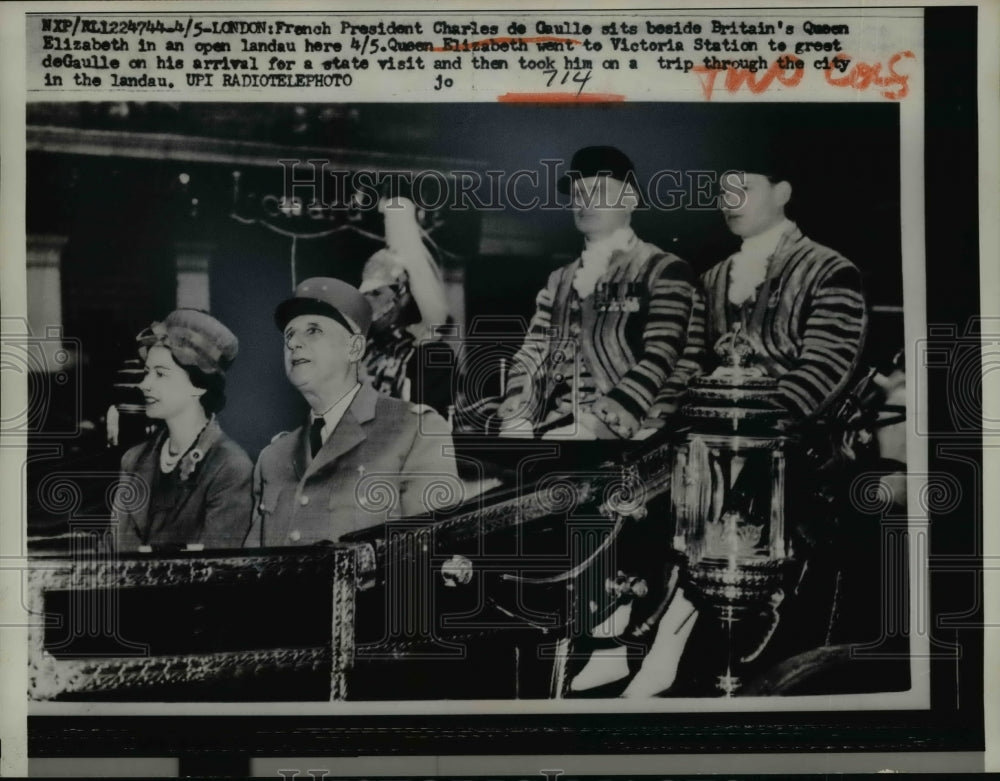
483, 408
595, 398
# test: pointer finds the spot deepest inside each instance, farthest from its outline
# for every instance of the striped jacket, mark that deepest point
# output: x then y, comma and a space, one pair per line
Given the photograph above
808, 320
403, 367
640, 335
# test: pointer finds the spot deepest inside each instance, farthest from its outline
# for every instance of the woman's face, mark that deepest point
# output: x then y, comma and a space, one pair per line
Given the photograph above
166, 387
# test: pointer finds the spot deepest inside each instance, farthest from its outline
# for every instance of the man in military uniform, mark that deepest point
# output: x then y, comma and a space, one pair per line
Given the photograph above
361, 458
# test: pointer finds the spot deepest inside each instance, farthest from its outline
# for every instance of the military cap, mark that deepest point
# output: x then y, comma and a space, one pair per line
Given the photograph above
331, 298
601, 161
764, 151
598, 161
194, 338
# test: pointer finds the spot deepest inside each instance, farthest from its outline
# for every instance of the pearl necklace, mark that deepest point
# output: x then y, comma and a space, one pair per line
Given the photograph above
168, 460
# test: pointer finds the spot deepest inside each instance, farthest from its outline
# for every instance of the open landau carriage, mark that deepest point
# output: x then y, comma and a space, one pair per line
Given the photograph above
500, 598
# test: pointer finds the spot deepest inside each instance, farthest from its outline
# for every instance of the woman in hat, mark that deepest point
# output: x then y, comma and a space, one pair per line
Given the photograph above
406, 358
189, 484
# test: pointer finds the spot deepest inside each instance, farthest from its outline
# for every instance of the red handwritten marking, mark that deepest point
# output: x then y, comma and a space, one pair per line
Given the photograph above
736, 78
476, 45
861, 76
559, 97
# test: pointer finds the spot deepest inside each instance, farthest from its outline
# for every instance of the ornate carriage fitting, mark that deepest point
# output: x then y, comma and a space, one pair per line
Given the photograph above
728, 500
192, 626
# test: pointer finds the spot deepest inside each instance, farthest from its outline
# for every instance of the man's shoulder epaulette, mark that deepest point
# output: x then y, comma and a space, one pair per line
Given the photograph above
420, 409
279, 435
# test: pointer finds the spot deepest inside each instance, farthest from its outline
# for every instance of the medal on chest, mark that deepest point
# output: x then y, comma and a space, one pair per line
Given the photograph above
618, 297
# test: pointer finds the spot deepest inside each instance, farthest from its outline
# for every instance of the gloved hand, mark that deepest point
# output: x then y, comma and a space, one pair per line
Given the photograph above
513, 416
583, 426
661, 410
613, 415
516, 406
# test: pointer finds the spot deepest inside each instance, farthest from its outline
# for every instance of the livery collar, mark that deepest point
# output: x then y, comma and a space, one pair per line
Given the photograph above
764, 244
596, 258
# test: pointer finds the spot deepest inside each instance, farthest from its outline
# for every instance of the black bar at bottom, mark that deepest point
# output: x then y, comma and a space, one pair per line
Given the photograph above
213, 766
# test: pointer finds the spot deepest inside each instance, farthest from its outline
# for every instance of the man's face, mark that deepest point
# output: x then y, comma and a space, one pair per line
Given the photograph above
751, 204
385, 283
601, 205
320, 352
388, 303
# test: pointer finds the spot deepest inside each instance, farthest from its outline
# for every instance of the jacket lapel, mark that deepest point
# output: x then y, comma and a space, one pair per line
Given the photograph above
205, 442
775, 267
778, 260
349, 433
618, 273
300, 454
144, 474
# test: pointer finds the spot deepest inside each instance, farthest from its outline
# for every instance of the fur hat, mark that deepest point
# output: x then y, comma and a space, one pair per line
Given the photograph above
194, 338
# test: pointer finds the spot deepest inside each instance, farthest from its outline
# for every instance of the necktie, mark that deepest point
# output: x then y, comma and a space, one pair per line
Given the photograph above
316, 436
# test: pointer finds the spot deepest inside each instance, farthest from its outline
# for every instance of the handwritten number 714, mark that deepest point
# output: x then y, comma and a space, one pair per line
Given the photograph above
577, 77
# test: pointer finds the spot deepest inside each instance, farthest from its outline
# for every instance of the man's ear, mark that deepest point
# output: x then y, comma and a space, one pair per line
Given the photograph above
783, 192
356, 347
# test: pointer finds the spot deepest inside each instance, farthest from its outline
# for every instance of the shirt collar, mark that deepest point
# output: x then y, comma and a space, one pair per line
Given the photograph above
620, 239
333, 415
764, 244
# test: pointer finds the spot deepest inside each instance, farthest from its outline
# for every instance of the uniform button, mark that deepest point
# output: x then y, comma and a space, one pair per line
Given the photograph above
574, 329
303, 500
558, 377
295, 535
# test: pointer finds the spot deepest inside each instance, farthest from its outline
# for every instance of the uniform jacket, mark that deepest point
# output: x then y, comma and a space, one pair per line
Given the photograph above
641, 333
808, 320
211, 507
385, 459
